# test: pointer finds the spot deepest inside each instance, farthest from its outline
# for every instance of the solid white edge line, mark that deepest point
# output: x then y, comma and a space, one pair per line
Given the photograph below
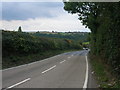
49, 69
62, 61
86, 76
19, 83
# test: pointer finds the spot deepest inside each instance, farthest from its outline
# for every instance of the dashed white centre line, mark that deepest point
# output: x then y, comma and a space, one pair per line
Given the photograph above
62, 61
49, 69
69, 57
19, 83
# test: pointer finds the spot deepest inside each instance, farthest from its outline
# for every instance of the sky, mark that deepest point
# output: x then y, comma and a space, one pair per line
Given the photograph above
39, 16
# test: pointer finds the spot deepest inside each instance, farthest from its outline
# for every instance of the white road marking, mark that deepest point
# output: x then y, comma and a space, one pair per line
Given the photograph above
69, 57
49, 69
19, 83
86, 76
62, 61
30, 63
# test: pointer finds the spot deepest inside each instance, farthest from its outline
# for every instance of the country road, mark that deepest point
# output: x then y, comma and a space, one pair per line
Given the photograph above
67, 70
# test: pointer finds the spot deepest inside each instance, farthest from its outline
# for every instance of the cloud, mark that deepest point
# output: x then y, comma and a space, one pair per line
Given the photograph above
42, 16
66, 22
26, 10
32, 0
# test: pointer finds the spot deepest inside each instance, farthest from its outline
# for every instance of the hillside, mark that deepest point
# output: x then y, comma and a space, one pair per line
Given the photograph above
22, 47
81, 36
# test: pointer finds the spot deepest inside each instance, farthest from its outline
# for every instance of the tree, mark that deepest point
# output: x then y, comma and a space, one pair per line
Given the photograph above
19, 29
103, 19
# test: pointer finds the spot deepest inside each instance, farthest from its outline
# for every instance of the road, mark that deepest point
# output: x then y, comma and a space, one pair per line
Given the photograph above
67, 70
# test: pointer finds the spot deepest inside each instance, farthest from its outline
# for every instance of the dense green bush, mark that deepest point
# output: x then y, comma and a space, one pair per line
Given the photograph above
81, 36
25, 43
103, 19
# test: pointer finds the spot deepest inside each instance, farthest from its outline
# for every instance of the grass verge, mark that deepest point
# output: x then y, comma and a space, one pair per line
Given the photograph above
15, 60
102, 71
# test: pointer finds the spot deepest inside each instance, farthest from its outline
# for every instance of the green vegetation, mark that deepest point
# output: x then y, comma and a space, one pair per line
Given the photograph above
79, 36
103, 19
20, 47
86, 43
103, 73
20, 29
14, 60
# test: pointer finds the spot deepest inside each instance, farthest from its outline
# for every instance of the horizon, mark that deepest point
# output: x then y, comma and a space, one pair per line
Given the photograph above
46, 31
39, 16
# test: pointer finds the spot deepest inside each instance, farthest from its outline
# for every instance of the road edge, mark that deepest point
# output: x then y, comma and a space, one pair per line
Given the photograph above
86, 75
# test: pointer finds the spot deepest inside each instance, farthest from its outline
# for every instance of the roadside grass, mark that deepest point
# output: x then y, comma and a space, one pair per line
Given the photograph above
104, 77
16, 60
86, 43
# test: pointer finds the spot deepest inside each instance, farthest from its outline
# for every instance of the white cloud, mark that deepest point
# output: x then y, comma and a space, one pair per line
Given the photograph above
66, 22
32, 0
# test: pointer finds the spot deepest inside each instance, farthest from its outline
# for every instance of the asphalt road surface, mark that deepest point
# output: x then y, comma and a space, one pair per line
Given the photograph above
67, 70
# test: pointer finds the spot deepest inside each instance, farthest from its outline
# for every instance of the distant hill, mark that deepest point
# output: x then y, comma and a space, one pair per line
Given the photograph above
81, 36
23, 47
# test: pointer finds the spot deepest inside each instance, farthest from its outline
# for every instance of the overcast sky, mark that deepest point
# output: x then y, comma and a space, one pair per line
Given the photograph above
39, 16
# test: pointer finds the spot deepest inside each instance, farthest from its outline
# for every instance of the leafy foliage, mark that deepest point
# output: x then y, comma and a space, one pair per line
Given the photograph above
25, 43
79, 36
21, 47
103, 19
20, 29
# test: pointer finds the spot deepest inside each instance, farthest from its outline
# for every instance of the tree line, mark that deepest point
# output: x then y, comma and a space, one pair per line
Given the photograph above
72, 36
103, 19
26, 43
